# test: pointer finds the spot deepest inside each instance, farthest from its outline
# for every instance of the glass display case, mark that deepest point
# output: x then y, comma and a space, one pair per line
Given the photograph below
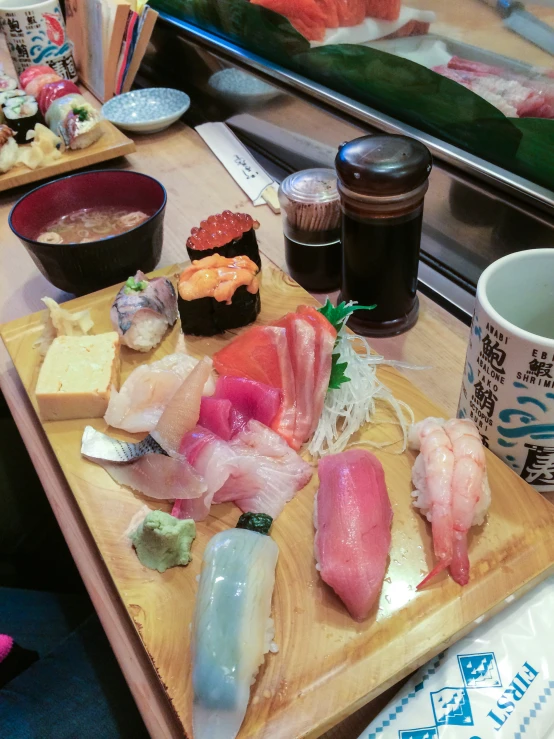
293, 102
475, 80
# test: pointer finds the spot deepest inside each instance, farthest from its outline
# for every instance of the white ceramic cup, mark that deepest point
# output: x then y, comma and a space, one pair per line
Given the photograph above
35, 34
508, 386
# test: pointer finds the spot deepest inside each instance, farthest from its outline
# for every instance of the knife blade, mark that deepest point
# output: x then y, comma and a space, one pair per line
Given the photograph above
528, 26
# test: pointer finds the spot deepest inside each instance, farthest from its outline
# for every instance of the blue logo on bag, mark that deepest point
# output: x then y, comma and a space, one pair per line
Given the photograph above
479, 670
451, 707
429, 733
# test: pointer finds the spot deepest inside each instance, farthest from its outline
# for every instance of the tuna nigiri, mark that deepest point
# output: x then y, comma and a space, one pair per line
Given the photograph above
147, 391
232, 628
352, 518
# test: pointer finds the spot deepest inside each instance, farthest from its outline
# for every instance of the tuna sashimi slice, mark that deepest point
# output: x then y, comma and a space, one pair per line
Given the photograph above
352, 518
251, 399
387, 10
221, 417
257, 470
182, 413
301, 337
261, 354
325, 341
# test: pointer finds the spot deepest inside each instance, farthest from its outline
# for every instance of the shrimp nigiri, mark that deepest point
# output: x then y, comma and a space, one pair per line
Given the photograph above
451, 488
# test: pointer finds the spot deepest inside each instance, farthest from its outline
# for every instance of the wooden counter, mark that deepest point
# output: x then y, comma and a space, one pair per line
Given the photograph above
197, 186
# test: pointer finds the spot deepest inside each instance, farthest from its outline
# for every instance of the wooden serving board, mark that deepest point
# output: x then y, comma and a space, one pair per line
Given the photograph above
113, 143
327, 665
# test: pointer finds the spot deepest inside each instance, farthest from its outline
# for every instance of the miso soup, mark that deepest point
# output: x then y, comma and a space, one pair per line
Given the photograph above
91, 224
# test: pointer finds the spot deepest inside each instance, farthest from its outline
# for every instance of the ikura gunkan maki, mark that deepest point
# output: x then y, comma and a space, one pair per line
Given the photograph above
227, 234
218, 293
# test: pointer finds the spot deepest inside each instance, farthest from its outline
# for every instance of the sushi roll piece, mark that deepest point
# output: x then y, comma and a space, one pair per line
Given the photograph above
9, 150
22, 115
216, 294
232, 629
7, 82
143, 310
228, 234
54, 90
37, 83
74, 120
35, 70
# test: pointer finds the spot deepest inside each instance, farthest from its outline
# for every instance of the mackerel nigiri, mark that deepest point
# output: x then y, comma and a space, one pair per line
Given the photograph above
352, 517
232, 628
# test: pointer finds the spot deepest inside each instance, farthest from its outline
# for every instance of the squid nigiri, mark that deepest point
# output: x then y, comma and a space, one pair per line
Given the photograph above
232, 628
451, 488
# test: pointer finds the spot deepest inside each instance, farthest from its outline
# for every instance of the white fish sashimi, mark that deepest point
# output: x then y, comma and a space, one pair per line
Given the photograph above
232, 628
257, 470
144, 395
157, 476
277, 470
143, 466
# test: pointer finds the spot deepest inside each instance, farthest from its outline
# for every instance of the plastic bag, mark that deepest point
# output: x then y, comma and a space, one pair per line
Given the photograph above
498, 682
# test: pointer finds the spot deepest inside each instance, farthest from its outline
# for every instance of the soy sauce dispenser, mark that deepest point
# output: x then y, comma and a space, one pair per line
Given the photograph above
382, 181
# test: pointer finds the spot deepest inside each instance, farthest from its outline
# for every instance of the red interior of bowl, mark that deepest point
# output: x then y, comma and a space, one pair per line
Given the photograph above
88, 190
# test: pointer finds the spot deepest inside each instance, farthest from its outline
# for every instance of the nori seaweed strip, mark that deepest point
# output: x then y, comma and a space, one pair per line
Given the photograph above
260, 523
198, 316
243, 310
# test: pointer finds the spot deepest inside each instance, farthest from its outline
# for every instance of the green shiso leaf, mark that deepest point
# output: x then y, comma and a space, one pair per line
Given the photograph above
338, 375
134, 286
337, 317
258, 522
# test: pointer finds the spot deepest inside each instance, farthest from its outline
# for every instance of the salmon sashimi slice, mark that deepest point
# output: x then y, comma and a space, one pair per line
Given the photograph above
386, 10
325, 341
301, 337
305, 15
262, 354
351, 12
181, 414
330, 12
352, 518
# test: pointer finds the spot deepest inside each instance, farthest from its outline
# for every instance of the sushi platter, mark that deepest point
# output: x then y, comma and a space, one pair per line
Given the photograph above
113, 143
326, 664
48, 128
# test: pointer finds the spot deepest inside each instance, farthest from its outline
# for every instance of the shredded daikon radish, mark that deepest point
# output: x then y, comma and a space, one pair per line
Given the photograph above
353, 404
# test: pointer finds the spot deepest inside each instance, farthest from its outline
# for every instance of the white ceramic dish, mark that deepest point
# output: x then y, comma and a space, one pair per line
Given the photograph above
146, 111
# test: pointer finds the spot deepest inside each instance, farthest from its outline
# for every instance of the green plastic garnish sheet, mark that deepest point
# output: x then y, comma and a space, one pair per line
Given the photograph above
398, 87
